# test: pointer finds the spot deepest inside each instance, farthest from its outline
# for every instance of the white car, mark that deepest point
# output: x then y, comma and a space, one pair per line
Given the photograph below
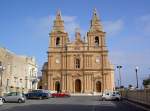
14, 97
1, 101
115, 95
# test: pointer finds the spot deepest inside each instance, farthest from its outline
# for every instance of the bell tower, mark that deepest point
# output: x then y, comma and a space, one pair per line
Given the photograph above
57, 45
58, 36
96, 35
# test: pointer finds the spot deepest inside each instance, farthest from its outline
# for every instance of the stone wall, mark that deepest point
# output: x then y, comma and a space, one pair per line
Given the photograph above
20, 72
139, 96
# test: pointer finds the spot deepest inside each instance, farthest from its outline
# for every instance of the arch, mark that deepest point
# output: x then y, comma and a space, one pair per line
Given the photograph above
97, 41
57, 86
57, 41
98, 86
40, 87
78, 85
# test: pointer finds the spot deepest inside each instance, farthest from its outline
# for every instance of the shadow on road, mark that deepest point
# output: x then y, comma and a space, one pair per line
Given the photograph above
116, 106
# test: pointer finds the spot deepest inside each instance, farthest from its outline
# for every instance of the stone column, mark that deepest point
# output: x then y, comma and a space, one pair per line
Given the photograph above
92, 85
73, 85
68, 82
49, 81
63, 82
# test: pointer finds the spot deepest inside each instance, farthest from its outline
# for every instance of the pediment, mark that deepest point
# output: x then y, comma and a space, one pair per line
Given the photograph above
56, 78
76, 75
97, 77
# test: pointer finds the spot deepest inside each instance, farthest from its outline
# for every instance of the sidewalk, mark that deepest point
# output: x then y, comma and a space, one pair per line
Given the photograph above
83, 94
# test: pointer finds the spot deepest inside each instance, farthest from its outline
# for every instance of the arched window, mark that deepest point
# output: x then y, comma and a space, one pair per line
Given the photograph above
57, 41
77, 63
97, 41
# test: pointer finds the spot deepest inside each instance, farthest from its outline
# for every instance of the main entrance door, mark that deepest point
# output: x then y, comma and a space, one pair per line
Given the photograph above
78, 85
57, 86
98, 86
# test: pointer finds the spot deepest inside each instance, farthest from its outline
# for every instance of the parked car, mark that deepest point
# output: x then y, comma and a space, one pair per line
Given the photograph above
49, 93
1, 101
14, 97
60, 95
115, 95
37, 94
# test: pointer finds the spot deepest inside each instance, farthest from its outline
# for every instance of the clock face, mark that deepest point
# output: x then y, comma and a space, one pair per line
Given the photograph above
57, 60
97, 59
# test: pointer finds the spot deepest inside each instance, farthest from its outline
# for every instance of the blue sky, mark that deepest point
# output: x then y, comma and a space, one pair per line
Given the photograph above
25, 24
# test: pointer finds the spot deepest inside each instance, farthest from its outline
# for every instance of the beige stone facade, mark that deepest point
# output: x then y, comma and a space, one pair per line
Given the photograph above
19, 74
81, 66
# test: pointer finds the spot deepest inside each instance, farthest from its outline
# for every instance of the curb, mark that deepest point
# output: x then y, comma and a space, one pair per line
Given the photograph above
85, 94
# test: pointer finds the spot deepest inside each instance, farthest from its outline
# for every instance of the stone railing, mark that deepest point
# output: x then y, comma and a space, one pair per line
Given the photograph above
139, 96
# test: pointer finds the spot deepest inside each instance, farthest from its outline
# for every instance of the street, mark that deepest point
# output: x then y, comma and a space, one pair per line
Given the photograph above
70, 104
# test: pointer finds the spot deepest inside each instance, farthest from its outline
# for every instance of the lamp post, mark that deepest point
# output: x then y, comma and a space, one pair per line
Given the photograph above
136, 71
119, 68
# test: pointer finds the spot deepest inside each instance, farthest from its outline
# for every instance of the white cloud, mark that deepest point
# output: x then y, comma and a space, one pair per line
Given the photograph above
38, 27
113, 27
129, 60
70, 25
132, 49
69, 18
42, 26
143, 24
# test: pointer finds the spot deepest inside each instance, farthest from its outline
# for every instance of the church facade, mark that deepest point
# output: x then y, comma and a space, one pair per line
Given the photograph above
81, 66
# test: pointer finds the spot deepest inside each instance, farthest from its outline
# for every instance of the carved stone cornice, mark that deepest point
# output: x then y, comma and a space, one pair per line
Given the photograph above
79, 51
78, 70
56, 78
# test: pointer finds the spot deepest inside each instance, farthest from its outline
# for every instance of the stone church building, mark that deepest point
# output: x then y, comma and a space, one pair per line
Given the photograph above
81, 66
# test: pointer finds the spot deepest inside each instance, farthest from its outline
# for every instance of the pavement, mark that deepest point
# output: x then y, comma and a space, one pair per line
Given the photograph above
75, 103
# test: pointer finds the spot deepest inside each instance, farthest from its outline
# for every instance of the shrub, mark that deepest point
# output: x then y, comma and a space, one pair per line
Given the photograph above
146, 81
130, 86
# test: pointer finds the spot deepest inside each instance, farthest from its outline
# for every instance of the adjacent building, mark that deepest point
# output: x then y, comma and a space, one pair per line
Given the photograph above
17, 73
81, 66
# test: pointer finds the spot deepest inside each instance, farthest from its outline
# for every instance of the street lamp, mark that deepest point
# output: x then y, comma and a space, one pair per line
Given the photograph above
119, 67
136, 70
